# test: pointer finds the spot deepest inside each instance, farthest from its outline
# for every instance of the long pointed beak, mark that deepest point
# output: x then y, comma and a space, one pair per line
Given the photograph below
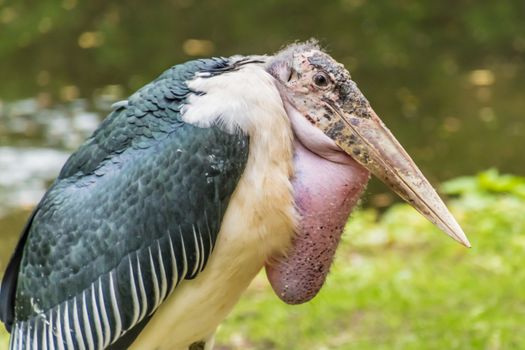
369, 142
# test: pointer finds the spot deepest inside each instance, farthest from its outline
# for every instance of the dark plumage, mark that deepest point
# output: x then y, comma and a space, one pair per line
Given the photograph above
144, 183
200, 179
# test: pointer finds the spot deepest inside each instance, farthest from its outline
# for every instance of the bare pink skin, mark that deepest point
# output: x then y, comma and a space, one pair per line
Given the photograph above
332, 122
325, 193
327, 184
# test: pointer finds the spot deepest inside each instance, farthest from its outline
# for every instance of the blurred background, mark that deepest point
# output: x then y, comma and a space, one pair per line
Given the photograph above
447, 77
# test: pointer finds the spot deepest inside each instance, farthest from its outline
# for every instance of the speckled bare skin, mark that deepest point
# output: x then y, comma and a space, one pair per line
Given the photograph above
333, 121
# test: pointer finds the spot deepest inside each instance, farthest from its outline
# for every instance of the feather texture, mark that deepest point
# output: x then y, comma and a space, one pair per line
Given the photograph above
146, 189
260, 218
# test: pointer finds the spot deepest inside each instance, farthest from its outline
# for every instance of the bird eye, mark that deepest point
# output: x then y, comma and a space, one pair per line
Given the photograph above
321, 79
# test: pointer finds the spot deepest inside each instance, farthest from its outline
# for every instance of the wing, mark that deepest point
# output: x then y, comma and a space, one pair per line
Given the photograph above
133, 212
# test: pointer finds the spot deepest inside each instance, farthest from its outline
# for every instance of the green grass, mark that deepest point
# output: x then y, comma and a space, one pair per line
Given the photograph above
399, 283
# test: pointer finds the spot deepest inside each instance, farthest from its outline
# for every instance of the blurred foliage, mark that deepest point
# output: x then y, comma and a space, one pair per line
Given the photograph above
441, 74
486, 183
446, 76
122, 37
399, 283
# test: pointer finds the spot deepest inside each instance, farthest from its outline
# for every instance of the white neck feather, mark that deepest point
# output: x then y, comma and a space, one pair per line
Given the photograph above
247, 100
234, 100
260, 218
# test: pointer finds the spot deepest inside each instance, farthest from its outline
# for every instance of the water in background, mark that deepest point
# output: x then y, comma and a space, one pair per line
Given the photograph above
447, 77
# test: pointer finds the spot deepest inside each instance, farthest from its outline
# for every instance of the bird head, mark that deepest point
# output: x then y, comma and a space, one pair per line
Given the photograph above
338, 140
334, 122
333, 119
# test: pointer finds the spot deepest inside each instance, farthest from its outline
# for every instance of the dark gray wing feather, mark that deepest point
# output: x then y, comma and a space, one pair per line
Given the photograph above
133, 212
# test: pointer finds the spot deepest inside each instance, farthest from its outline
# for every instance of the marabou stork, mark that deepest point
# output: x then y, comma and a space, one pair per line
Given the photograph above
160, 220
